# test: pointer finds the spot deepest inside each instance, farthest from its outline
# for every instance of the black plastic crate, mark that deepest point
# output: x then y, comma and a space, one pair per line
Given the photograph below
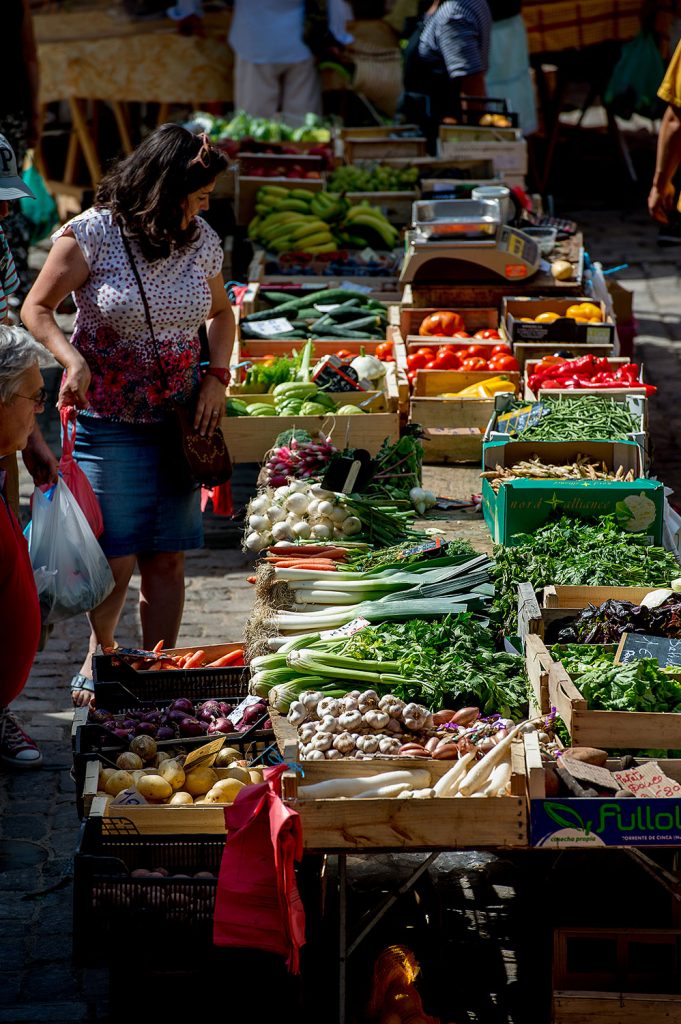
471, 108
111, 909
194, 683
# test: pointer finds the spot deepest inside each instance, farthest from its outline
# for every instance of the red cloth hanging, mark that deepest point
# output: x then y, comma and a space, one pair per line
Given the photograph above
74, 477
221, 497
258, 905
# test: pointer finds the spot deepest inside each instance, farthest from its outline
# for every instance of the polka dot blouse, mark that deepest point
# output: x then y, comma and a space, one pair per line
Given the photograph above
111, 330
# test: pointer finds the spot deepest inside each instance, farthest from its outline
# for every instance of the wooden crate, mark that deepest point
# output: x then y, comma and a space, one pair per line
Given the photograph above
377, 400
435, 383
381, 142
615, 1008
440, 823
250, 437
396, 383
526, 351
247, 189
556, 603
384, 287
633, 730
155, 819
475, 319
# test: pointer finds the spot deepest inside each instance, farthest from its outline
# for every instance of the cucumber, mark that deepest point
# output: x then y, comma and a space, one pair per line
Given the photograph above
332, 333
362, 322
277, 296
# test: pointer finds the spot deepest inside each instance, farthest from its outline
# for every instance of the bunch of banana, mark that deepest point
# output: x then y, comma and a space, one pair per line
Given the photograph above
368, 223
329, 206
286, 222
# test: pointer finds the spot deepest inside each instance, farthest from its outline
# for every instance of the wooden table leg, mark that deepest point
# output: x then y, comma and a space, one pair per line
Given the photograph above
122, 125
85, 140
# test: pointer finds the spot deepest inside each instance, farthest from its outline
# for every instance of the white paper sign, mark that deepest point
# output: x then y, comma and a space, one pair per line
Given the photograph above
349, 629
129, 798
348, 286
267, 328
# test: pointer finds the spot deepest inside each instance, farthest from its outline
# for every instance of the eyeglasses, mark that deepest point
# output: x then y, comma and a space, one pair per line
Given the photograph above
39, 398
203, 155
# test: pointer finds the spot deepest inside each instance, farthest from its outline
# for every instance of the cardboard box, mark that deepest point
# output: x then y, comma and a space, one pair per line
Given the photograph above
522, 506
475, 319
636, 404
564, 330
505, 147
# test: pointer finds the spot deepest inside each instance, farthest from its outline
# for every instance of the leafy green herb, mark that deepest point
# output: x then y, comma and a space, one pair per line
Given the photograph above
454, 661
638, 685
574, 552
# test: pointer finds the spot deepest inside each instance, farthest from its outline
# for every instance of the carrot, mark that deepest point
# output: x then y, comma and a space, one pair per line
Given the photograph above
308, 550
228, 659
196, 660
250, 579
159, 647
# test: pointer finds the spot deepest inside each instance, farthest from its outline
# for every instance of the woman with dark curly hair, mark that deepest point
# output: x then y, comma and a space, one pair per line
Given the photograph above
115, 375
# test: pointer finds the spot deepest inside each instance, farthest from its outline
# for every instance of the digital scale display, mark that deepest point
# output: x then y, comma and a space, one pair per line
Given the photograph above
511, 255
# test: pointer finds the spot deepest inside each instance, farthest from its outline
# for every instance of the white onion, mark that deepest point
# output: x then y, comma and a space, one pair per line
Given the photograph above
260, 504
325, 508
313, 508
282, 544
256, 542
299, 486
339, 515
338, 533
302, 530
298, 503
319, 492
281, 531
351, 526
281, 493
275, 514
321, 532
258, 523
292, 519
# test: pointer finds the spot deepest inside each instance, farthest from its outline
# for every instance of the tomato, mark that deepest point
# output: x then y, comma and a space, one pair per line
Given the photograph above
474, 363
344, 354
461, 334
416, 361
384, 352
429, 353
487, 335
446, 360
503, 349
504, 362
432, 365
411, 376
443, 323
482, 351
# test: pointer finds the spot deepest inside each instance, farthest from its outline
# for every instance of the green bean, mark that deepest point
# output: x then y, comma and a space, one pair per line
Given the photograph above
587, 418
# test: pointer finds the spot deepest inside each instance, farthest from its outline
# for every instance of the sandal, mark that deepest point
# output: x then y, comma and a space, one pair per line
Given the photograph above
81, 683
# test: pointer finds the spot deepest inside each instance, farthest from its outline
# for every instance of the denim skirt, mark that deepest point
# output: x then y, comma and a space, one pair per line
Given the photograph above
134, 476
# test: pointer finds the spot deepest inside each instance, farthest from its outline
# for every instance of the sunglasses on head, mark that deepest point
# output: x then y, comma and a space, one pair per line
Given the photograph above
203, 155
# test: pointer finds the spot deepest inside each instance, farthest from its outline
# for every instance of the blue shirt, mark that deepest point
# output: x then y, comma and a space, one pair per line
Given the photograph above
457, 35
269, 31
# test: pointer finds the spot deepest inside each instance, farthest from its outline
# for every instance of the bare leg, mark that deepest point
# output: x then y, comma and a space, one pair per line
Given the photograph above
161, 596
104, 619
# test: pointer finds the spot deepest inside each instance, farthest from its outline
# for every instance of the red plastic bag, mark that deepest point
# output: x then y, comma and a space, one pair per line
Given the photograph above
258, 905
74, 477
221, 497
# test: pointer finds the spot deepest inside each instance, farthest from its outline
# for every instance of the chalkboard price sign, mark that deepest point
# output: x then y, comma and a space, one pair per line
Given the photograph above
666, 651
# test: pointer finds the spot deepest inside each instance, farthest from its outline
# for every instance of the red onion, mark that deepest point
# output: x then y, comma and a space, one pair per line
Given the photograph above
164, 732
183, 704
220, 725
190, 727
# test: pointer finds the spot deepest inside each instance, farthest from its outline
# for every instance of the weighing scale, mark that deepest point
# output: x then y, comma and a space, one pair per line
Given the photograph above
465, 240
510, 255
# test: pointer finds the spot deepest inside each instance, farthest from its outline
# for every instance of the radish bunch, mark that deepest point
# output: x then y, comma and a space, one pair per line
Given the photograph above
298, 459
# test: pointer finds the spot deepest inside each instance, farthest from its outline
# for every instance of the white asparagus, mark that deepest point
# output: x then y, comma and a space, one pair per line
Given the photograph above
383, 792
498, 780
449, 783
352, 786
478, 775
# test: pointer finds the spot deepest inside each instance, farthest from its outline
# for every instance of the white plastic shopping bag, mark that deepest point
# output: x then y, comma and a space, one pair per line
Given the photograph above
70, 569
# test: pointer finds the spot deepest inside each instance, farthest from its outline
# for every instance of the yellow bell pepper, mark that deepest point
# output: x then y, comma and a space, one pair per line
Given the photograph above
483, 389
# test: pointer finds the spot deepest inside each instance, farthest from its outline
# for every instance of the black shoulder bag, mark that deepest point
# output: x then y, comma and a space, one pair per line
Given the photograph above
206, 459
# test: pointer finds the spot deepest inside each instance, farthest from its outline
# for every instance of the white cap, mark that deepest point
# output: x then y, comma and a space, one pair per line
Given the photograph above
12, 186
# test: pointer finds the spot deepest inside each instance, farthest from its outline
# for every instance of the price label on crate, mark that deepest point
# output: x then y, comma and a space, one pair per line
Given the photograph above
129, 798
268, 328
517, 420
205, 754
428, 548
349, 629
648, 780
350, 286
240, 710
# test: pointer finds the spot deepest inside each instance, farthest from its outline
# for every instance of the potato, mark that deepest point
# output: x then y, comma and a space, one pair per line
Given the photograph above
144, 746
104, 776
588, 755
117, 782
153, 787
180, 798
561, 270
235, 772
129, 761
224, 791
173, 773
163, 755
225, 756
255, 776
200, 780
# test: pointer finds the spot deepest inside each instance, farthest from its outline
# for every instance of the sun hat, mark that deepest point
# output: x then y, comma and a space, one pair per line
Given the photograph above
12, 186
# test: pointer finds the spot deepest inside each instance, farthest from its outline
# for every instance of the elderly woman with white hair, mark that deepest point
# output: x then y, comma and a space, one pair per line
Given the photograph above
22, 394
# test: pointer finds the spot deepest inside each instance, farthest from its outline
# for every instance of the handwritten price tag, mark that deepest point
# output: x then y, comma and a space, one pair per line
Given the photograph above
648, 780
129, 798
349, 629
268, 328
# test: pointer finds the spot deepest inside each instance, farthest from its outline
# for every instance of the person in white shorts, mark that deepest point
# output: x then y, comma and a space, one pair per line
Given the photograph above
275, 71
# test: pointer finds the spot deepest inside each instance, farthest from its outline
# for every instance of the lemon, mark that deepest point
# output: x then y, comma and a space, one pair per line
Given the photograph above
546, 318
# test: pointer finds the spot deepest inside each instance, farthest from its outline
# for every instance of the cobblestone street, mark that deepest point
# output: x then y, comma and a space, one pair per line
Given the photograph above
38, 821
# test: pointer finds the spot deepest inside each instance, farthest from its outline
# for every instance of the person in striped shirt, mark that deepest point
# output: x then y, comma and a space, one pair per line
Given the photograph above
446, 57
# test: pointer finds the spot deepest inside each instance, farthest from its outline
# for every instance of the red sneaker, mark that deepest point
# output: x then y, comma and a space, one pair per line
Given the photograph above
17, 749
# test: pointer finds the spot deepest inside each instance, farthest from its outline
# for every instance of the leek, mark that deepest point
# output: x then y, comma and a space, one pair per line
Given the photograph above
376, 611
